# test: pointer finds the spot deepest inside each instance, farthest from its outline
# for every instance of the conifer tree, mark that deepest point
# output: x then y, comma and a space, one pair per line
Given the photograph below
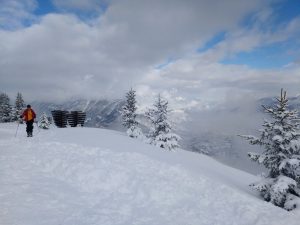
129, 115
160, 133
5, 108
281, 155
44, 122
19, 106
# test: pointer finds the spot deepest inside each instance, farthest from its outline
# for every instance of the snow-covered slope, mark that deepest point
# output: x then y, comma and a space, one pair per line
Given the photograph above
208, 137
88, 176
224, 147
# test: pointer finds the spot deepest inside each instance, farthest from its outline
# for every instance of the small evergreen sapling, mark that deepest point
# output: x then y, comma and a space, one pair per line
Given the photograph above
129, 116
44, 122
160, 133
281, 155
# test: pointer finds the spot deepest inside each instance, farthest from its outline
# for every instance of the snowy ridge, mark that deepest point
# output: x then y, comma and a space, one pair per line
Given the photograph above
106, 113
87, 176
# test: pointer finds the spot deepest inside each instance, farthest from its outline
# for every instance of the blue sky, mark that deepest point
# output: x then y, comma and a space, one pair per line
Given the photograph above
44, 7
270, 56
184, 49
49, 6
266, 56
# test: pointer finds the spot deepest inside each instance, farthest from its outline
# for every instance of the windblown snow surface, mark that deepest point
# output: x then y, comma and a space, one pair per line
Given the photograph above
89, 176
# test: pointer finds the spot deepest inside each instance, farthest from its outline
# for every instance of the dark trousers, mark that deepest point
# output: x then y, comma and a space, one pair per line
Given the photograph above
29, 127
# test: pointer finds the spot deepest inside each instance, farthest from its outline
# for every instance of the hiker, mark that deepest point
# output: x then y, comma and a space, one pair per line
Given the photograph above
29, 116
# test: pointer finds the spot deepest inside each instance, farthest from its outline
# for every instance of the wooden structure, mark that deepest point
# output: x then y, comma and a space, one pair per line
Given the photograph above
76, 118
63, 118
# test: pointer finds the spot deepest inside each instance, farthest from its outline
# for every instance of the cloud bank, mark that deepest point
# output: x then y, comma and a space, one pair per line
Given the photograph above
151, 46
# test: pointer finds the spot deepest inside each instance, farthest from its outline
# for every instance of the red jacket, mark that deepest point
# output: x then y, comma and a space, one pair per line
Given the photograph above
28, 114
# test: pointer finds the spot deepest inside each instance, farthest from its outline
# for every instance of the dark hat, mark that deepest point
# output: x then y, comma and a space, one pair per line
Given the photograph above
28, 106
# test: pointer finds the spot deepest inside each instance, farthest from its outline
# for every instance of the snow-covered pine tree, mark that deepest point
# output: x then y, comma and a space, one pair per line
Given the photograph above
160, 133
129, 115
281, 155
19, 106
5, 108
44, 122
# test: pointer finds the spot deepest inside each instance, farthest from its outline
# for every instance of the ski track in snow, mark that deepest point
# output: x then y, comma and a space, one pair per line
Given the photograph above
62, 177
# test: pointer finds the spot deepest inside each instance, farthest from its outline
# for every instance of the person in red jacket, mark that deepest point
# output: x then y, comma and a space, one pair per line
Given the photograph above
29, 116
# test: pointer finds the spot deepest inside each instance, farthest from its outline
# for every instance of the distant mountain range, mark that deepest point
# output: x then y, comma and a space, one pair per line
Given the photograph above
100, 113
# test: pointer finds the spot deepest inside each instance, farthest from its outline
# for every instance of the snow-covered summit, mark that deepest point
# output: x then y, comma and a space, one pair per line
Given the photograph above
90, 176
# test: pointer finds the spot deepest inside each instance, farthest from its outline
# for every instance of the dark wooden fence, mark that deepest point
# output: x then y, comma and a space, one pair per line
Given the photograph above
73, 118
76, 118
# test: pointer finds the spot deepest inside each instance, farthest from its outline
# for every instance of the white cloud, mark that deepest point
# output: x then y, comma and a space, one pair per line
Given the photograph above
157, 30
14, 12
247, 40
211, 83
61, 56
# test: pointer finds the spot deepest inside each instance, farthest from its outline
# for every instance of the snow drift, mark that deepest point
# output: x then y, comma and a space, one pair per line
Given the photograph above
88, 176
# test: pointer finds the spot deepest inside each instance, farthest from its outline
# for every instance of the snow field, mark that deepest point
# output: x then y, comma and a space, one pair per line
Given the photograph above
89, 176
